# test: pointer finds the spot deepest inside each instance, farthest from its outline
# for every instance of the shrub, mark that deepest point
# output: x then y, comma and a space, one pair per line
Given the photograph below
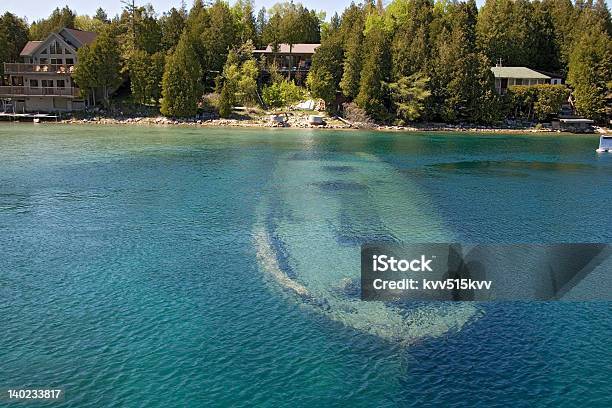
282, 93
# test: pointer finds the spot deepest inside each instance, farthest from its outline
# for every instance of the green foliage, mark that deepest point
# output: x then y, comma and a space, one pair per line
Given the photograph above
99, 64
409, 95
181, 88
64, 18
280, 94
462, 83
321, 84
172, 24
411, 46
326, 71
146, 72
13, 36
101, 15
590, 70
536, 102
518, 32
239, 80
550, 100
245, 19
375, 71
351, 30
219, 36
87, 23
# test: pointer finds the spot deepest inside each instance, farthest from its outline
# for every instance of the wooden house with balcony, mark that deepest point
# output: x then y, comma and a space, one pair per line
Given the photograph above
292, 60
43, 82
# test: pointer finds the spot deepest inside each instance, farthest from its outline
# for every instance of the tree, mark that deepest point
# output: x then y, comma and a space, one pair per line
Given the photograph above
172, 25
181, 88
408, 95
353, 60
101, 15
519, 32
218, 36
410, 21
260, 25
148, 32
239, 79
86, 23
563, 16
321, 84
550, 100
146, 72
375, 70
245, 19
326, 70
99, 64
462, 83
590, 70
64, 18
13, 36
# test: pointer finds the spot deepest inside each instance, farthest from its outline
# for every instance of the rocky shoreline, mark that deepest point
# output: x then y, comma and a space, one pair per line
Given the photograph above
295, 123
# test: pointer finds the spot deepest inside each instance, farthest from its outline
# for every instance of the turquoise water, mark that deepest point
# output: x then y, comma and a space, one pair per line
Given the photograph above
166, 267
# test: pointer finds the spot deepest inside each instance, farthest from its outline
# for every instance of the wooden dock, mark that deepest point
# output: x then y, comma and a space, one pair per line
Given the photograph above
16, 117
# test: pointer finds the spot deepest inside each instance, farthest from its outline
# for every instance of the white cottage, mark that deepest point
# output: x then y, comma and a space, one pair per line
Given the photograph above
509, 76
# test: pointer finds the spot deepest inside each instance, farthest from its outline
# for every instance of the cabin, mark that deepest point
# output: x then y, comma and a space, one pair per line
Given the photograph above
43, 82
294, 60
510, 76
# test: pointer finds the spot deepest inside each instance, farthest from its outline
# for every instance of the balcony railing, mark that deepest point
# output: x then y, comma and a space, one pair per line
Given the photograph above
26, 91
19, 68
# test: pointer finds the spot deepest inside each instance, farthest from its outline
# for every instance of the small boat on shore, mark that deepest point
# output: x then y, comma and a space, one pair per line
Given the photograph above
605, 144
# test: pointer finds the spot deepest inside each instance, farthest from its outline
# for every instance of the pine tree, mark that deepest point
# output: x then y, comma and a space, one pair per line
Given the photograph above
410, 21
146, 72
13, 36
462, 82
408, 95
59, 18
351, 31
181, 88
375, 71
326, 70
172, 25
590, 70
100, 64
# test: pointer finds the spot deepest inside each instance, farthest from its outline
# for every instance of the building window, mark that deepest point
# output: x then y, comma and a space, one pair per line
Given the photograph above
57, 61
55, 48
44, 51
17, 80
61, 83
43, 61
47, 83
33, 83
518, 81
70, 61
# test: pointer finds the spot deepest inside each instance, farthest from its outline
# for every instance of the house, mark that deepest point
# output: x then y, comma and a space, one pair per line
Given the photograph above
43, 82
295, 59
555, 77
509, 76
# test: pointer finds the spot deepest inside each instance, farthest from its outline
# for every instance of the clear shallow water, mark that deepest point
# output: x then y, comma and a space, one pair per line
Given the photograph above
173, 267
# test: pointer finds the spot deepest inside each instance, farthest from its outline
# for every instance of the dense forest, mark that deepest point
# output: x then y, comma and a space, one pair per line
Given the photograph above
413, 60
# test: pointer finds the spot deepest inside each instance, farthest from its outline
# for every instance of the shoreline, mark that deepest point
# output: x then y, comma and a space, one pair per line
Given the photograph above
161, 121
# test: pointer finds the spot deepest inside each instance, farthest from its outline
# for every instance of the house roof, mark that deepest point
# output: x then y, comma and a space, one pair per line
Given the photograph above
517, 72
29, 48
75, 38
83, 37
295, 49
